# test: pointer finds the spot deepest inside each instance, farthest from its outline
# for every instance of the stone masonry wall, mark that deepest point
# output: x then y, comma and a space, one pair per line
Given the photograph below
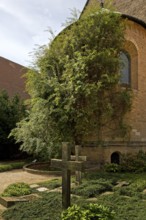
102, 154
136, 47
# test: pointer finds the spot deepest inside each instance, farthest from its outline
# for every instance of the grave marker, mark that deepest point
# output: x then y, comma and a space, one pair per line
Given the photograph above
67, 166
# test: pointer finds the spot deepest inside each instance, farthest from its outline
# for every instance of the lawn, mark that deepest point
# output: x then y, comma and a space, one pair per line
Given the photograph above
123, 193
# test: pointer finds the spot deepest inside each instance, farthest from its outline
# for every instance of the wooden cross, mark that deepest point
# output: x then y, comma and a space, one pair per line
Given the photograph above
77, 157
67, 166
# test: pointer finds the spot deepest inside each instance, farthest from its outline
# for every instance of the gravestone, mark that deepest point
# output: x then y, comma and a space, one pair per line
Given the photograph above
67, 166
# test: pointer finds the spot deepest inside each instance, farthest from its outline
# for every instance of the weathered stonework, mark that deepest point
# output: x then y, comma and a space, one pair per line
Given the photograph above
136, 47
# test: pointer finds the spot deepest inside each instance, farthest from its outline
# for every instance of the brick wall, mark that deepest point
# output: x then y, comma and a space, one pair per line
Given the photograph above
12, 78
135, 45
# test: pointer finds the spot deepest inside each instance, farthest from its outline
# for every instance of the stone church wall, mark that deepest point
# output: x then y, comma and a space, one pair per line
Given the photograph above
102, 154
135, 45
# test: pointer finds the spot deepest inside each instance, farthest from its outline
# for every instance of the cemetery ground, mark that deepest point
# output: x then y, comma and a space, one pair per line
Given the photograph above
18, 175
124, 193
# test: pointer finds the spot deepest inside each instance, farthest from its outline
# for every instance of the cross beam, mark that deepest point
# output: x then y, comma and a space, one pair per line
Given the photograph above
69, 165
80, 158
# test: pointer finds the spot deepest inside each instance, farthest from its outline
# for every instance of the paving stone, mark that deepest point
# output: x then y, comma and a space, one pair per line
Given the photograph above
92, 199
42, 189
107, 193
34, 186
144, 191
121, 184
58, 189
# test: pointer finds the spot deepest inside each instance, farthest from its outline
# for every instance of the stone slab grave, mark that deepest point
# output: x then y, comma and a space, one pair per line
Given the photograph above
67, 166
10, 201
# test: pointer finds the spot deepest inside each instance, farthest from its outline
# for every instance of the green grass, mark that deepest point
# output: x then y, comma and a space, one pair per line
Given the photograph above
93, 189
47, 208
126, 208
52, 184
128, 202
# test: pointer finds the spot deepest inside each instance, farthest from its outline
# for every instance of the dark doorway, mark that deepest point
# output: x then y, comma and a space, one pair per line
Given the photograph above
115, 158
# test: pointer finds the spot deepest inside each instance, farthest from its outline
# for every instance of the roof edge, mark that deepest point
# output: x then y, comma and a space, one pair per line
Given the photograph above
137, 20
84, 8
124, 16
132, 18
7, 60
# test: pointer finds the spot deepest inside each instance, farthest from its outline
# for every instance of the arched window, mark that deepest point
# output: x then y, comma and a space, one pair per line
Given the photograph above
125, 68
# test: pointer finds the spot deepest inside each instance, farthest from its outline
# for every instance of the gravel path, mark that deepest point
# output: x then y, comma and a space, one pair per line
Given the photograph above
6, 178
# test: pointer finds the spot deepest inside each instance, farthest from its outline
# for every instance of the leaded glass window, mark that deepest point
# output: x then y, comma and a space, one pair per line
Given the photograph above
125, 68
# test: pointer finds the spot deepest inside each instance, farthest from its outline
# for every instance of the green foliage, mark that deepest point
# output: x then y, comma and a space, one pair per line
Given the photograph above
74, 15
73, 213
49, 207
74, 86
134, 162
90, 212
131, 207
112, 167
36, 133
11, 166
52, 184
17, 189
93, 189
127, 208
129, 163
133, 189
12, 110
